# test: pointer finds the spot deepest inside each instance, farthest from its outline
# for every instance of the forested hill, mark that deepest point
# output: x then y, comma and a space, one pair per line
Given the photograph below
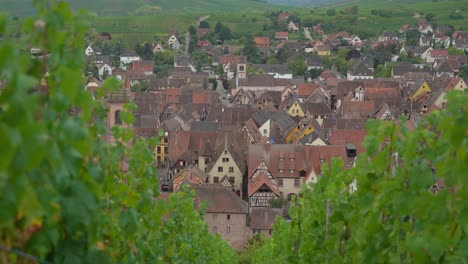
306, 3
143, 7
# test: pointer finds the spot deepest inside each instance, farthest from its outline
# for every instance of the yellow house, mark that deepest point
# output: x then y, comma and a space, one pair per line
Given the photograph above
161, 149
460, 85
322, 50
419, 87
303, 128
296, 109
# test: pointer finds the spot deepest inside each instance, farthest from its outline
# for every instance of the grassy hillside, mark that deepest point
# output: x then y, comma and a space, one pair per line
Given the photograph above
408, 11
142, 7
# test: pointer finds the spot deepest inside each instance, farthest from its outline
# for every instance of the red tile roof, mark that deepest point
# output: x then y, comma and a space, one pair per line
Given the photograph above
281, 34
306, 89
233, 60
262, 41
142, 66
439, 53
343, 137
259, 181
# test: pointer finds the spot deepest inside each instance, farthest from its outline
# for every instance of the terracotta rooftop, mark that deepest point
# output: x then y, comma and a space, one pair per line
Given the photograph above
259, 181
262, 41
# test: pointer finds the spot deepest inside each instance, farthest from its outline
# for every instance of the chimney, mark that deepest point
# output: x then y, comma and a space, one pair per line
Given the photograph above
350, 150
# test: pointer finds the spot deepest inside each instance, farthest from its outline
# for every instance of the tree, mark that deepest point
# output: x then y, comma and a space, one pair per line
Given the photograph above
383, 71
204, 24
66, 195
454, 51
251, 51
218, 27
298, 66
315, 73
331, 12
353, 54
225, 33
412, 37
397, 208
192, 30
464, 72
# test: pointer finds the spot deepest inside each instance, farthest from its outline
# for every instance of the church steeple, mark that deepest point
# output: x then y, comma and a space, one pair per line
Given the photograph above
241, 69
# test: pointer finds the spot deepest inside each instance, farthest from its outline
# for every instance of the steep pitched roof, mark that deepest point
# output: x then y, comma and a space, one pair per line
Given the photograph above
306, 89
260, 117
219, 199
255, 184
190, 175
360, 69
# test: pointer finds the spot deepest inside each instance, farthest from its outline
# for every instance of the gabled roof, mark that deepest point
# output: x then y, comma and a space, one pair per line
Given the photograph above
444, 67
219, 199
262, 180
190, 175
262, 41
253, 130
260, 117
360, 69
306, 89
283, 121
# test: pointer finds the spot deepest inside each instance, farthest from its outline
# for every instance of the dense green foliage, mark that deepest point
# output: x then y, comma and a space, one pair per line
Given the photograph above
398, 214
66, 195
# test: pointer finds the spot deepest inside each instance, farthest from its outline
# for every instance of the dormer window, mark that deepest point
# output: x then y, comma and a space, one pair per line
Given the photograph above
291, 171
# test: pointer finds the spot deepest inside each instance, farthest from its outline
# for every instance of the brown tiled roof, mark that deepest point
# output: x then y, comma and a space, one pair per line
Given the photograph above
219, 199
253, 130
318, 155
357, 109
348, 124
343, 137
259, 181
317, 108
281, 34
141, 66
263, 217
439, 53
389, 95
264, 80
306, 89
230, 115
278, 156
232, 59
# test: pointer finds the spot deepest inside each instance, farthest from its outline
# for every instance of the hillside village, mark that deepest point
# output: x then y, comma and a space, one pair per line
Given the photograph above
247, 127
